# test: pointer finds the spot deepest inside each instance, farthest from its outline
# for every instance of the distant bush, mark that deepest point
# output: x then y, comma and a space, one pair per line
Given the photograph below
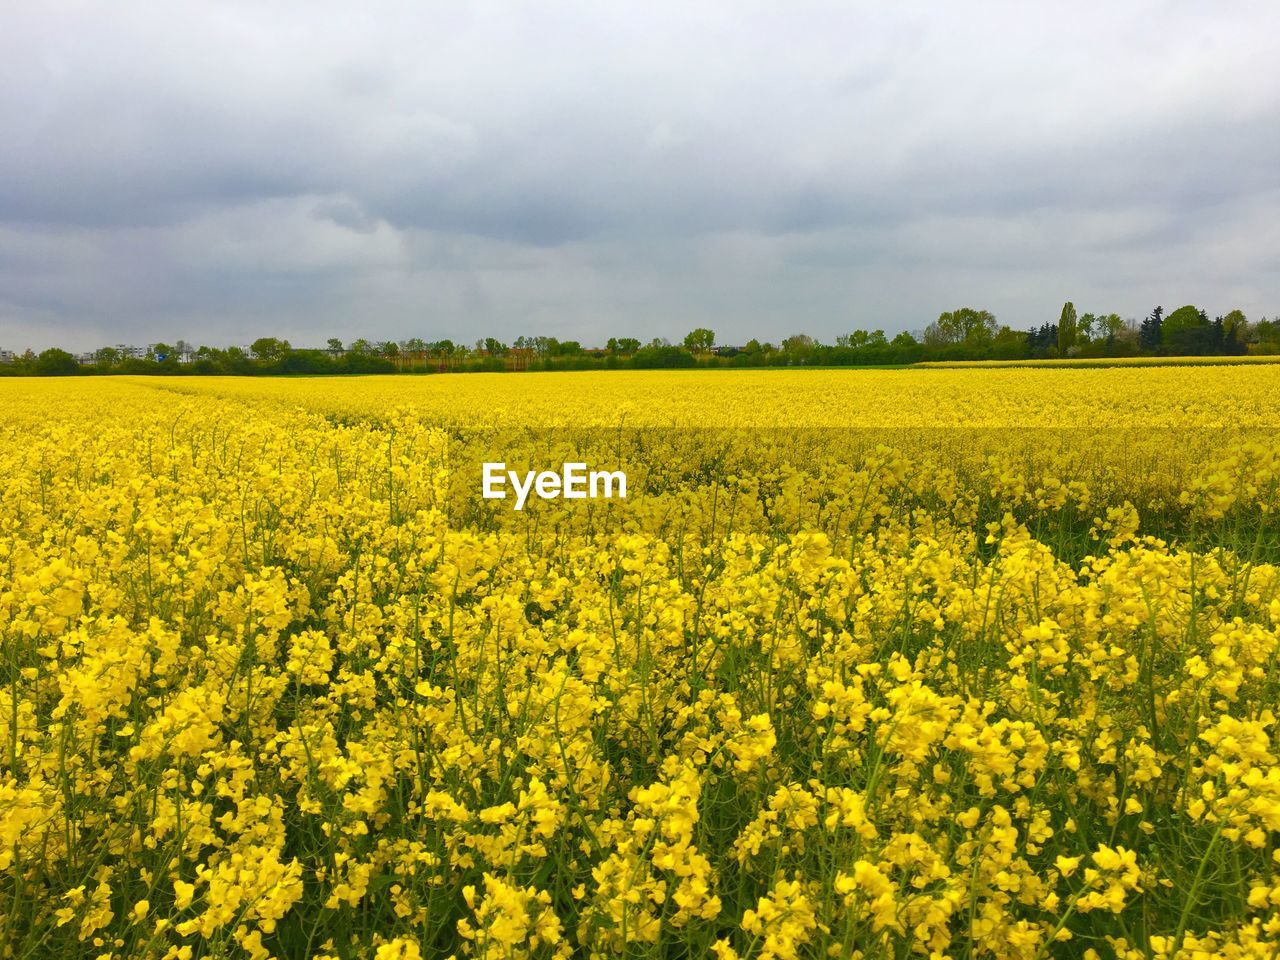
650, 358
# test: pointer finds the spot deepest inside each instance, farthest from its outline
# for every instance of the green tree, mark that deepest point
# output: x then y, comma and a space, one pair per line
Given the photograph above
1066, 328
1086, 327
699, 340
1008, 344
1110, 326
1187, 330
1151, 332
623, 345
269, 348
56, 363
973, 328
798, 343
1184, 318
1234, 326
335, 345
860, 338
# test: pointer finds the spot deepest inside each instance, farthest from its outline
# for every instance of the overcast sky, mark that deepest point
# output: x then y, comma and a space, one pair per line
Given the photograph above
222, 171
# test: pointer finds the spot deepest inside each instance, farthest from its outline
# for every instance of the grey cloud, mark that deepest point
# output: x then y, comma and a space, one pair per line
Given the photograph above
596, 169
346, 213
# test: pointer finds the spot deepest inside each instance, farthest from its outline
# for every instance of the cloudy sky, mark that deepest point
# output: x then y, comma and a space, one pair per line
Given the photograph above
222, 171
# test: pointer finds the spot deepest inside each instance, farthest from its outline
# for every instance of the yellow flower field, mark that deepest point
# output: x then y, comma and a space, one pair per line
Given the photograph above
937, 663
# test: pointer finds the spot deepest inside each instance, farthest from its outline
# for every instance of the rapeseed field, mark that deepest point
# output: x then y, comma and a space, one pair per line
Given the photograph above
879, 664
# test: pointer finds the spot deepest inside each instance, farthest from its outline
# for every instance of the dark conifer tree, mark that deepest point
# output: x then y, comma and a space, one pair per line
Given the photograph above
1149, 332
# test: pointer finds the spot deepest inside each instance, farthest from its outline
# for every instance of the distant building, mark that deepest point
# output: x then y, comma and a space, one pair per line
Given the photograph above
7, 356
128, 352
85, 358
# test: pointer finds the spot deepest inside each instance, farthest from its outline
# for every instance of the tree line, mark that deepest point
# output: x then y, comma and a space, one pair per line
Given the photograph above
965, 333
